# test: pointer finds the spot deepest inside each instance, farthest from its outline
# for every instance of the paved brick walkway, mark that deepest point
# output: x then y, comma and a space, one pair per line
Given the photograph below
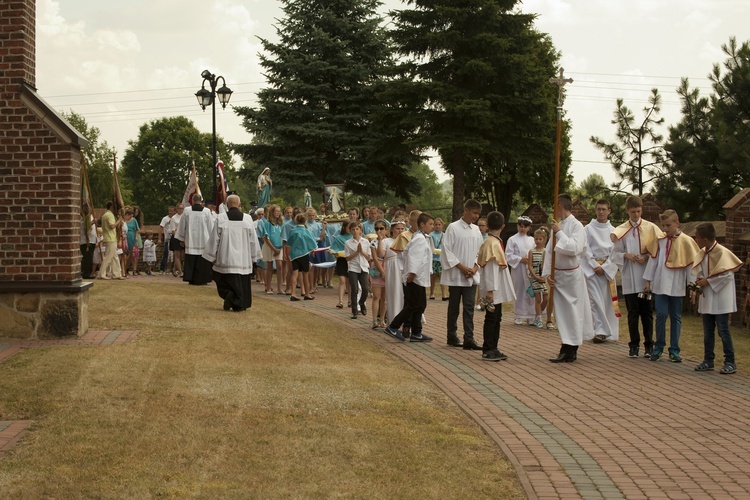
11, 432
606, 426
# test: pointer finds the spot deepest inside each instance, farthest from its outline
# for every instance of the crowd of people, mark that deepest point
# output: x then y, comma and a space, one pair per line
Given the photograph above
398, 263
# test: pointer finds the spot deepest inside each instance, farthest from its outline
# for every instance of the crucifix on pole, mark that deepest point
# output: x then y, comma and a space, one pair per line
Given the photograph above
560, 81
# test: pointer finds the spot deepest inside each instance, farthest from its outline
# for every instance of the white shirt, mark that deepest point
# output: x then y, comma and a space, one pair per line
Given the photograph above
164, 226
720, 296
598, 246
460, 245
194, 230
174, 223
570, 246
149, 251
361, 263
418, 259
632, 272
233, 245
666, 281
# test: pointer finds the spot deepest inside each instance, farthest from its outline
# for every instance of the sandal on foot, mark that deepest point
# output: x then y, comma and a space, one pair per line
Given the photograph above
704, 367
551, 326
340, 305
294, 298
728, 369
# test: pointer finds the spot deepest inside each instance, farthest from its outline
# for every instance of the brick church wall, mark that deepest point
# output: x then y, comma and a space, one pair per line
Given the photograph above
41, 292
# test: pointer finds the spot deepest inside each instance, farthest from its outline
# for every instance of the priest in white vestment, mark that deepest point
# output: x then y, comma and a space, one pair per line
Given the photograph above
233, 248
571, 300
600, 272
193, 232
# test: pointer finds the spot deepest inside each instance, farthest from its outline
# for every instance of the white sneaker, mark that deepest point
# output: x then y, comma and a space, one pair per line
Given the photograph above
518, 321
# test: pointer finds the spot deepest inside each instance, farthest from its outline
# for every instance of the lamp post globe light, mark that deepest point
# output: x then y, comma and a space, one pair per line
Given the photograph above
208, 98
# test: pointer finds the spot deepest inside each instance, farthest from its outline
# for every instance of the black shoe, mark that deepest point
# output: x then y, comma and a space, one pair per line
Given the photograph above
471, 346
227, 305
363, 309
563, 357
406, 331
648, 352
633, 352
454, 342
567, 354
490, 356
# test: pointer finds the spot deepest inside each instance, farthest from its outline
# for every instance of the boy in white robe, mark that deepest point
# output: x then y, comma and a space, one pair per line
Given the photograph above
714, 267
600, 272
517, 254
572, 308
495, 285
667, 278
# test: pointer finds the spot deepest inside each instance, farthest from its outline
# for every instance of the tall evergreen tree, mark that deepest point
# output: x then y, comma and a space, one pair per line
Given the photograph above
708, 150
476, 88
313, 123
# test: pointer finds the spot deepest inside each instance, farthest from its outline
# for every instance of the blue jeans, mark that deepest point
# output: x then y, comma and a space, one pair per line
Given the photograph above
710, 323
666, 305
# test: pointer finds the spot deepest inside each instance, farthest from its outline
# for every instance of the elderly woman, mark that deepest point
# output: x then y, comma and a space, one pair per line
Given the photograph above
264, 187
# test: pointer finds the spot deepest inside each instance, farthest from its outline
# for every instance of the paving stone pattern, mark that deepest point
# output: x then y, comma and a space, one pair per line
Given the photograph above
606, 426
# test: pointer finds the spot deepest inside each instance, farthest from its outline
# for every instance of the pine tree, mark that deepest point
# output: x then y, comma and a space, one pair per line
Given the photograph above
476, 88
708, 150
313, 123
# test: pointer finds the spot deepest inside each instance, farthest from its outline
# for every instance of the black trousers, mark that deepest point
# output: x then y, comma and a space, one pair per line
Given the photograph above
456, 296
361, 280
640, 309
491, 329
87, 259
234, 288
415, 302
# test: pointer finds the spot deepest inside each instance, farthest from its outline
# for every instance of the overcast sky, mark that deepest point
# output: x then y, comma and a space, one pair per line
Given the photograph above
121, 64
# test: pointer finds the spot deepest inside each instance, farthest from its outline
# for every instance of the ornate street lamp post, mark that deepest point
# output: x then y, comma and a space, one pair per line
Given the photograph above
208, 98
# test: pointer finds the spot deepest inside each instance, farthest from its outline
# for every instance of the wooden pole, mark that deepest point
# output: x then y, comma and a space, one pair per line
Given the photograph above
560, 81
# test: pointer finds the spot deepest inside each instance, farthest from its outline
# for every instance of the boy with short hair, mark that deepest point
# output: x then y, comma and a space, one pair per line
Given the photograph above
666, 278
714, 266
495, 285
634, 241
416, 276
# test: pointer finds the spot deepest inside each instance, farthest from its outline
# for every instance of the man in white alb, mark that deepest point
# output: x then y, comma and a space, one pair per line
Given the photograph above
600, 272
194, 230
572, 308
460, 273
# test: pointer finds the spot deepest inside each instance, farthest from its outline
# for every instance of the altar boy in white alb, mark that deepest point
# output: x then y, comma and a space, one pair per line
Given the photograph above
600, 272
572, 308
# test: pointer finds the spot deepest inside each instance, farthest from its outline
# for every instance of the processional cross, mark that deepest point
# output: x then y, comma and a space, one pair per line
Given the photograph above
560, 81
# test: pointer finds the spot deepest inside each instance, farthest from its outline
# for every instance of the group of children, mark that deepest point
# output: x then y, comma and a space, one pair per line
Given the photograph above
658, 266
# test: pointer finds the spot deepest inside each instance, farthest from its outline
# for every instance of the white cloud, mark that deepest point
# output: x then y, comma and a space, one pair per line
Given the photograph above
123, 41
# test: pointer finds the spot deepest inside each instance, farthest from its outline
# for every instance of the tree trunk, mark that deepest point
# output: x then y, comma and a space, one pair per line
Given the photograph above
459, 185
504, 199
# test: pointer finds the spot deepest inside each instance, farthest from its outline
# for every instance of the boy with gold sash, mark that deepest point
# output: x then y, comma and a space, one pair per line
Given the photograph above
495, 285
667, 277
634, 242
714, 266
